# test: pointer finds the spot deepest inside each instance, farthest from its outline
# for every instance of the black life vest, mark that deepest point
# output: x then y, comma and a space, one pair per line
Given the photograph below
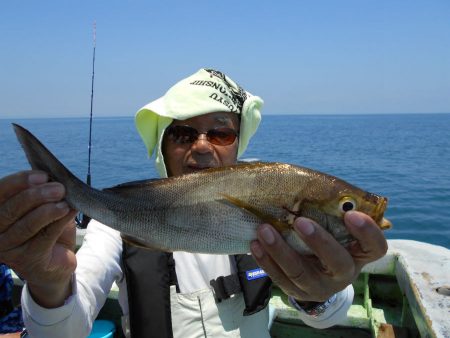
149, 275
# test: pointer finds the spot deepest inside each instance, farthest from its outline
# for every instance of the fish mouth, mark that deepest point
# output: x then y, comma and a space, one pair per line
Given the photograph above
382, 222
385, 224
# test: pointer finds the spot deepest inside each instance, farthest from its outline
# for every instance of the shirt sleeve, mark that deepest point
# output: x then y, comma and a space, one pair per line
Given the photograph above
331, 313
98, 266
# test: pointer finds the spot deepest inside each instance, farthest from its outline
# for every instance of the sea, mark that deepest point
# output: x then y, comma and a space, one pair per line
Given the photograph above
405, 157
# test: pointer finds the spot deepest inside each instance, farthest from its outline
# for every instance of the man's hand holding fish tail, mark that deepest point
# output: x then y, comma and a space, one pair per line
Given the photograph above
332, 267
37, 235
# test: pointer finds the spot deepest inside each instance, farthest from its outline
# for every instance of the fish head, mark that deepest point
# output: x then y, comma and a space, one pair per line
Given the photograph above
330, 205
368, 203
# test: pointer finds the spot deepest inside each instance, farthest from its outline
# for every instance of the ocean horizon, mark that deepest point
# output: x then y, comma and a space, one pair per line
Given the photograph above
98, 116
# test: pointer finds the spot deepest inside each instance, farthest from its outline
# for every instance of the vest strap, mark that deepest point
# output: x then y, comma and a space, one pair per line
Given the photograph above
250, 279
225, 287
149, 275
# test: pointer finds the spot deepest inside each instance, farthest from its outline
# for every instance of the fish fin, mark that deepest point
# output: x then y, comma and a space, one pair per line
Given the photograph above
257, 162
297, 213
294, 211
132, 184
138, 243
263, 216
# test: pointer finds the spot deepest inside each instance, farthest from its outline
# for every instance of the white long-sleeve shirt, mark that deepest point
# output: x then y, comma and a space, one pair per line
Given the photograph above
99, 266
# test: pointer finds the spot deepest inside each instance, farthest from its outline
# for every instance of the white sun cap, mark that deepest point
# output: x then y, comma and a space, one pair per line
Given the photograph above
204, 92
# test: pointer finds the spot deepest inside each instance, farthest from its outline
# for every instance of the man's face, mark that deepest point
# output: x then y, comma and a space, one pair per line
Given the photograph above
183, 158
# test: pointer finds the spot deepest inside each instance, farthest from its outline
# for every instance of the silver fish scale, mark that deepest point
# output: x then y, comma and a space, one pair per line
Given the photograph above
201, 219
190, 213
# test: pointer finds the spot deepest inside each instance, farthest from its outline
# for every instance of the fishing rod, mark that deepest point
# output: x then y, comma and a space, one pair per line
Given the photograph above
82, 220
88, 178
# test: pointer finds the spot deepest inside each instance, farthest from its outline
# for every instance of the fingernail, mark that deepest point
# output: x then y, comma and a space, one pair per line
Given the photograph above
267, 235
355, 218
62, 205
35, 179
53, 191
305, 226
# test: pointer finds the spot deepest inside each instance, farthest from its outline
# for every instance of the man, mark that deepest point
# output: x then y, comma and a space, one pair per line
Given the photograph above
204, 121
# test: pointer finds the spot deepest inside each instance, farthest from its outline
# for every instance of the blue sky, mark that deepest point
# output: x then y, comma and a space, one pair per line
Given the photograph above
301, 57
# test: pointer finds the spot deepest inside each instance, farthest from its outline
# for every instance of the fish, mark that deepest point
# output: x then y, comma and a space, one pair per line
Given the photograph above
216, 210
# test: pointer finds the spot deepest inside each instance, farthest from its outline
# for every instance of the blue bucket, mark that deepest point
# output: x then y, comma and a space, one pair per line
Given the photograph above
102, 329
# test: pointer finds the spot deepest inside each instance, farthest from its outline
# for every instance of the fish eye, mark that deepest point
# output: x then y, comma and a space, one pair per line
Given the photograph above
347, 204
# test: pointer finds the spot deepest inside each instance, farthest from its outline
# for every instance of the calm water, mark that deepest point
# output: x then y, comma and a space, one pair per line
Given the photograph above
403, 157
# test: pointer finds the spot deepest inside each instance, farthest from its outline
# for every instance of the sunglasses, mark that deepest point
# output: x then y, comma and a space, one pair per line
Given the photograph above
221, 136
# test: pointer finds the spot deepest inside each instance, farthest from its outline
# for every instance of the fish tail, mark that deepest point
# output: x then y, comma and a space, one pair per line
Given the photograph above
40, 158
